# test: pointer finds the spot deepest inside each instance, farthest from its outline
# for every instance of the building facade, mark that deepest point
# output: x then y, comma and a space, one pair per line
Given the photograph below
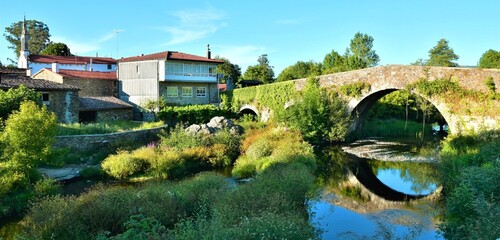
34, 63
178, 78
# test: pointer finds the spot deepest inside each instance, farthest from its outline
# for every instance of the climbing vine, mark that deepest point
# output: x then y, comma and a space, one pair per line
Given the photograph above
355, 89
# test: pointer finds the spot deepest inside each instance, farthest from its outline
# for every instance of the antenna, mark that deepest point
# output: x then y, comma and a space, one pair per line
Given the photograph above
117, 31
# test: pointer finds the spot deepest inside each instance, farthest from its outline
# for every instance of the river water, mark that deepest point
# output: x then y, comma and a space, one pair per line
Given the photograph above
361, 197
365, 198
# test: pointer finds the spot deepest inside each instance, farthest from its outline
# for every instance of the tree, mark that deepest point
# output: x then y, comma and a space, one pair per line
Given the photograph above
262, 71
39, 36
228, 70
28, 135
359, 55
300, 70
442, 55
320, 116
362, 54
57, 49
11, 99
490, 59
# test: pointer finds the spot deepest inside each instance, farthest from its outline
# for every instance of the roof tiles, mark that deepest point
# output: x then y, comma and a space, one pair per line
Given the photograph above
170, 55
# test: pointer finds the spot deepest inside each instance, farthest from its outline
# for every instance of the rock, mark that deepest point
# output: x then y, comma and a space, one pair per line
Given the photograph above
220, 123
236, 129
193, 129
216, 124
61, 173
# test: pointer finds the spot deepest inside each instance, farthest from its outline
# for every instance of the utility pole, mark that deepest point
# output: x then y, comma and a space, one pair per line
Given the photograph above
117, 31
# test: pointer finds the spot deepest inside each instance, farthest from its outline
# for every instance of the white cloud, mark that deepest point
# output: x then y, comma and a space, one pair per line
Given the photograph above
84, 47
194, 24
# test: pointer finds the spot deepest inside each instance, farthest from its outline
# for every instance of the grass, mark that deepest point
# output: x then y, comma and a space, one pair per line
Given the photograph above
104, 127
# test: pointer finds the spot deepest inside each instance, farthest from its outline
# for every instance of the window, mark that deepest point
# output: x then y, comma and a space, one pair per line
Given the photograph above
187, 91
109, 66
172, 92
201, 91
45, 98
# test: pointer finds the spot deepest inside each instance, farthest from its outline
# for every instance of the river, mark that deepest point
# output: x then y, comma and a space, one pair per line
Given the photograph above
361, 197
364, 198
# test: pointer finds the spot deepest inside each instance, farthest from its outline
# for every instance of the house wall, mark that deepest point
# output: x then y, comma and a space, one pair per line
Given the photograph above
49, 76
138, 82
114, 114
211, 94
35, 67
64, 104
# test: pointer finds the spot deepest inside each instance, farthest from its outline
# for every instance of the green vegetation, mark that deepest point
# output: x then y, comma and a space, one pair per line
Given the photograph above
269, 146
282, 93
490, 84
38, 33
262, 71
11, 99
440, 55
300, 70
104, 127
57, 49
321, 116
205, 207
471, 175
177, 155
490, 59
355, 89
24, 144
394, 128
190, 114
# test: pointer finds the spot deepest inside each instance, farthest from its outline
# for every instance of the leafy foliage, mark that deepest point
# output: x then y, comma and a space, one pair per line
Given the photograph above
320, 116
65, 129
300, 70
229, 71
262, 71
470, 170
57, 49
440, 55
490, 59
190, 114
355, 89
359, 55
39, 36
11, 99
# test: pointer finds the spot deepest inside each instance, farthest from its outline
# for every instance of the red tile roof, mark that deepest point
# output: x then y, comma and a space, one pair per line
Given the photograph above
170, 55
8, 81
70, 59
87, 74
222, 87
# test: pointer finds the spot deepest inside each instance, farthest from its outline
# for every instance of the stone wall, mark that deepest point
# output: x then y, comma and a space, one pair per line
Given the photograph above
114, 114
64, 104
86, 143
94, 87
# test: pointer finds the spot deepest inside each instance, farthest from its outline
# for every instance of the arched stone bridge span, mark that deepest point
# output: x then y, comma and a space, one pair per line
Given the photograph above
472, 108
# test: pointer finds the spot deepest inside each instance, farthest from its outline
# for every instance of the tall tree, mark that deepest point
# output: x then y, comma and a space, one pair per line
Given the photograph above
262, 71
57, 49
442, 55
363, 55
359, 55
39, 36
490, 59
300, 70
228, 70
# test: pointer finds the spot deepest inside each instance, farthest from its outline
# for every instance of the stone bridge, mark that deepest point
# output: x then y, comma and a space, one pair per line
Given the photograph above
473, 108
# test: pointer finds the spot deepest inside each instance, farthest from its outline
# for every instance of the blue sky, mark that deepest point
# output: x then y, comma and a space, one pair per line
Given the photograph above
288, 31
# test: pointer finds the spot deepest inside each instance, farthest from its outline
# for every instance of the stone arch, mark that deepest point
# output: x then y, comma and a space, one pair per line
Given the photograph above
359, 107
249, 109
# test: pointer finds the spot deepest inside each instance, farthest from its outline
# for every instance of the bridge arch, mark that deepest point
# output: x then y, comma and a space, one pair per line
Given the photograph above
359, 107
249, 109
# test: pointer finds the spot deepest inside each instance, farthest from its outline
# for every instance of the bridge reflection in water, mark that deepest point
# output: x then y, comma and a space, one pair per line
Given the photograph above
356, 204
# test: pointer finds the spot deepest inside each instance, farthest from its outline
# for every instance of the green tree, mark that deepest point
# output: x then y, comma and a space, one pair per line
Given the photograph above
490, 59
262, 71
57, 49
362, 55
300, 70
11, 99
228, 70
28, 135
442, 55
39, 36
359, 55
319, 115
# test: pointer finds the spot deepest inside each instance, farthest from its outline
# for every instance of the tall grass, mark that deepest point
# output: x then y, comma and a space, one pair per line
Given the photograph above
104, 127
394, 128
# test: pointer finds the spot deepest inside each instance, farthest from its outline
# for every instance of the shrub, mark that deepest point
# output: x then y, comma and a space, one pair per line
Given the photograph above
47, 187
123, 164
355, 89
91, 173
190, 114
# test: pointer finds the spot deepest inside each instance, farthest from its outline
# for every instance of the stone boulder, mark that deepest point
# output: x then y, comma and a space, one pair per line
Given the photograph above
216, 124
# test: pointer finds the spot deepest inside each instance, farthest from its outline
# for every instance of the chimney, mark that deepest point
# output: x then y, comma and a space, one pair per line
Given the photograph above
209, 54
55, 67
90, 67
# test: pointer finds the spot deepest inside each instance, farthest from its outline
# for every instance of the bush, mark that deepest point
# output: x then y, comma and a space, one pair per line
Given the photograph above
91, 173
190, 114
123, 164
